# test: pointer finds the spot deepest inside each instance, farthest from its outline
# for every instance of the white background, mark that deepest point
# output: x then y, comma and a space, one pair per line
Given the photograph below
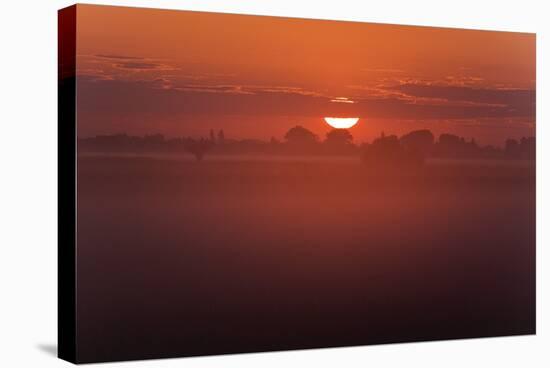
28, 182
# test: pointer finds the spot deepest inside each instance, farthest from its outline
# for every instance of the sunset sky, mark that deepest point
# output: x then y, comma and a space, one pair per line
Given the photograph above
179, 73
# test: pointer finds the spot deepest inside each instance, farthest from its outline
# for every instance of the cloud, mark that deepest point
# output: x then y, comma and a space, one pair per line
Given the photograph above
463, 80
515, 101
137, 65
243, 89
112, 62
203, 88
383, 70
160, 97
121, 57
342, 100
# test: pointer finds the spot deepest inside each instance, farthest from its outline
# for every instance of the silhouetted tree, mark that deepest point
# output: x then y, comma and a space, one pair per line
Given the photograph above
221, 137
418, 141
300, 135
450, 145
339, 141
449, 140
339, 137
387, 152
198, 147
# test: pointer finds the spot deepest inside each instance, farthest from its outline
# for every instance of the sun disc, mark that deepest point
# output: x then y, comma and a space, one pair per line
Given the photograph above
341, 123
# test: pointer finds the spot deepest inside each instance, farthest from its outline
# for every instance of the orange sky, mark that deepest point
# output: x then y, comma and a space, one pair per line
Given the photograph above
181, 73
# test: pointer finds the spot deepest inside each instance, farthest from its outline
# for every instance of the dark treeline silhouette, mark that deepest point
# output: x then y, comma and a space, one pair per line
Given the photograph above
394, 152
410, 149
413, 148
148, 143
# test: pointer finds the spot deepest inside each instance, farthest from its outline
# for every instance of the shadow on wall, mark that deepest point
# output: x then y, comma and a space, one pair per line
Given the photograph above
50, 349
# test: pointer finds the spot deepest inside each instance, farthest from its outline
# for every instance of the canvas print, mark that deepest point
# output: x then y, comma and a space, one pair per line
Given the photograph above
236, 183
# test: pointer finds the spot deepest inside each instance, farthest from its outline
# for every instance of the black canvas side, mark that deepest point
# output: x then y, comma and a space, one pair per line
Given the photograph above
66, 151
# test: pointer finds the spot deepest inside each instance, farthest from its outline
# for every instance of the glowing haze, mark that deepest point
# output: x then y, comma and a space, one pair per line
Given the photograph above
256, 77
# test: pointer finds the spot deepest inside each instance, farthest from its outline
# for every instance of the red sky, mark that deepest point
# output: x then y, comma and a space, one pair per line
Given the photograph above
179, 73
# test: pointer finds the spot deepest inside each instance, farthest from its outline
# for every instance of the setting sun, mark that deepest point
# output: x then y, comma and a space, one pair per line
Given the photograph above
341, 123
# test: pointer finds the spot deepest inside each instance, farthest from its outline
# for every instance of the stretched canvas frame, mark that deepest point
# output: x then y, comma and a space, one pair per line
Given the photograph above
293, 194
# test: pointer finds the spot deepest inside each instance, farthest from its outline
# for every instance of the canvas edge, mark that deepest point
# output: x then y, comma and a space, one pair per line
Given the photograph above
66, 187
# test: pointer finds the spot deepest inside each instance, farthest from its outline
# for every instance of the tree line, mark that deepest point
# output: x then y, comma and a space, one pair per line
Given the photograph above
414, 146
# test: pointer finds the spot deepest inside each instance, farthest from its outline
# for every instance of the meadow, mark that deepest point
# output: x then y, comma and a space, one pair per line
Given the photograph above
177, 257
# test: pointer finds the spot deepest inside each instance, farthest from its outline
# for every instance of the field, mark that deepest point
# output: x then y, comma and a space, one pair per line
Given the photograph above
224, 256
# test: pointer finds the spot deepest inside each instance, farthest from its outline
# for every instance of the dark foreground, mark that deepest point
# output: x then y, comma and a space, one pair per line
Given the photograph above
180, 258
